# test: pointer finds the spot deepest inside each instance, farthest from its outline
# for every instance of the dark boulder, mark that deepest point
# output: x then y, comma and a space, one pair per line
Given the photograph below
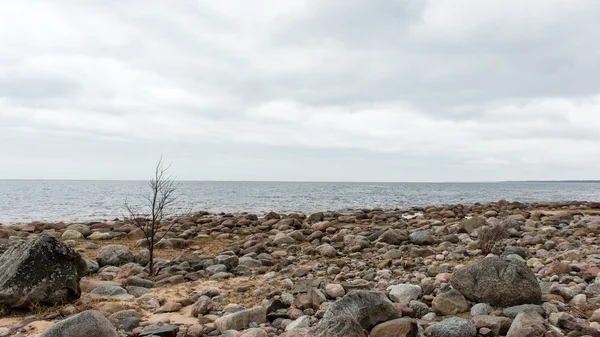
43, 270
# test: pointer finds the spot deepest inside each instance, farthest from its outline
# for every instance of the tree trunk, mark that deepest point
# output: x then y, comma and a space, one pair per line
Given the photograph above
151, 263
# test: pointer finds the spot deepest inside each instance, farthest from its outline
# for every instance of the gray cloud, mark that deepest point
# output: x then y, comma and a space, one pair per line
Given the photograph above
302, 89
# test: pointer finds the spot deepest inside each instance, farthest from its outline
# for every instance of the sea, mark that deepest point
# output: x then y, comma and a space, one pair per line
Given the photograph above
23, 201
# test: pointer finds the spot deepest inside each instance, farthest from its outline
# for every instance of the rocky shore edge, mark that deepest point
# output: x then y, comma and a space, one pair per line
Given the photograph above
493, 269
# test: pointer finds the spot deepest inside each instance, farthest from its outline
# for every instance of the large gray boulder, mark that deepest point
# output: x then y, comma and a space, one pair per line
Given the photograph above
89, 323
43, 271
497, 281
114, 255
369, 308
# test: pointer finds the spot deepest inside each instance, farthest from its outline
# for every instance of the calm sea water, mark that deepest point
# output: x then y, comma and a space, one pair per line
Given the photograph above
51, 200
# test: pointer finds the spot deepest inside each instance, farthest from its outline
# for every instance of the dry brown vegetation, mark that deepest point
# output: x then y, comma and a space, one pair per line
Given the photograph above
491, 236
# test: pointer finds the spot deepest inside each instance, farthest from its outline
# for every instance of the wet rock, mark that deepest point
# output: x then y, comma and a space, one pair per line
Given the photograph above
43, 270
369, 308
497, 281
89, 323
114, 255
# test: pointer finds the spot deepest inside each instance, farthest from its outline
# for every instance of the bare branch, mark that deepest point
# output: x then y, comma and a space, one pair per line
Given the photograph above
162, 202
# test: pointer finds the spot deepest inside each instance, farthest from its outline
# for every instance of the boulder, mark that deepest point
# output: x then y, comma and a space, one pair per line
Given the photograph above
43, 270
89, 323
338, 326
369, 308
497, 281
114, 255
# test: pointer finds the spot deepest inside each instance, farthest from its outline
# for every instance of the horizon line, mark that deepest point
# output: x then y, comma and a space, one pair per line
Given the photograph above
321, 181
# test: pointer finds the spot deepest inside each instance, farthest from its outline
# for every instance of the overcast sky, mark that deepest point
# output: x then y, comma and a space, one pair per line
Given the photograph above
319, 90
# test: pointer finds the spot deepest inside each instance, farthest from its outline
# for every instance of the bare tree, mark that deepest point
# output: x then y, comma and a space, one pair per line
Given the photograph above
160, 204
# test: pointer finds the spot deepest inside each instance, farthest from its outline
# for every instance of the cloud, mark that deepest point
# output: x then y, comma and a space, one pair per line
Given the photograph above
464, 90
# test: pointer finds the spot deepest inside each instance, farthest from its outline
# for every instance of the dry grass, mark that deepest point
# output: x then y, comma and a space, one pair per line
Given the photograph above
490, 237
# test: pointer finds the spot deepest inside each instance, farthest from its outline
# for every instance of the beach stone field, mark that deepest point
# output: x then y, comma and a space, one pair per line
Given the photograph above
483, 270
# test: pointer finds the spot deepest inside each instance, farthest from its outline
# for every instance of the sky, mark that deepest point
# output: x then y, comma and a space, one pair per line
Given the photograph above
301, 90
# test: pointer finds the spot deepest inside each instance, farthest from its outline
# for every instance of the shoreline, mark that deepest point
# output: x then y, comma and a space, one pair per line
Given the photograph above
408, 210
295, 269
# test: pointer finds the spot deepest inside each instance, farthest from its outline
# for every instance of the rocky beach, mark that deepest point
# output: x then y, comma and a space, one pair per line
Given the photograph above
494, 269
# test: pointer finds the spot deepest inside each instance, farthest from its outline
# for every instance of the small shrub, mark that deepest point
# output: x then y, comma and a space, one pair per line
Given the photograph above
491, 236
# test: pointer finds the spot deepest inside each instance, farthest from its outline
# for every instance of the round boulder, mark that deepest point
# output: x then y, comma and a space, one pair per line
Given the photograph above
114, 255
498, 281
